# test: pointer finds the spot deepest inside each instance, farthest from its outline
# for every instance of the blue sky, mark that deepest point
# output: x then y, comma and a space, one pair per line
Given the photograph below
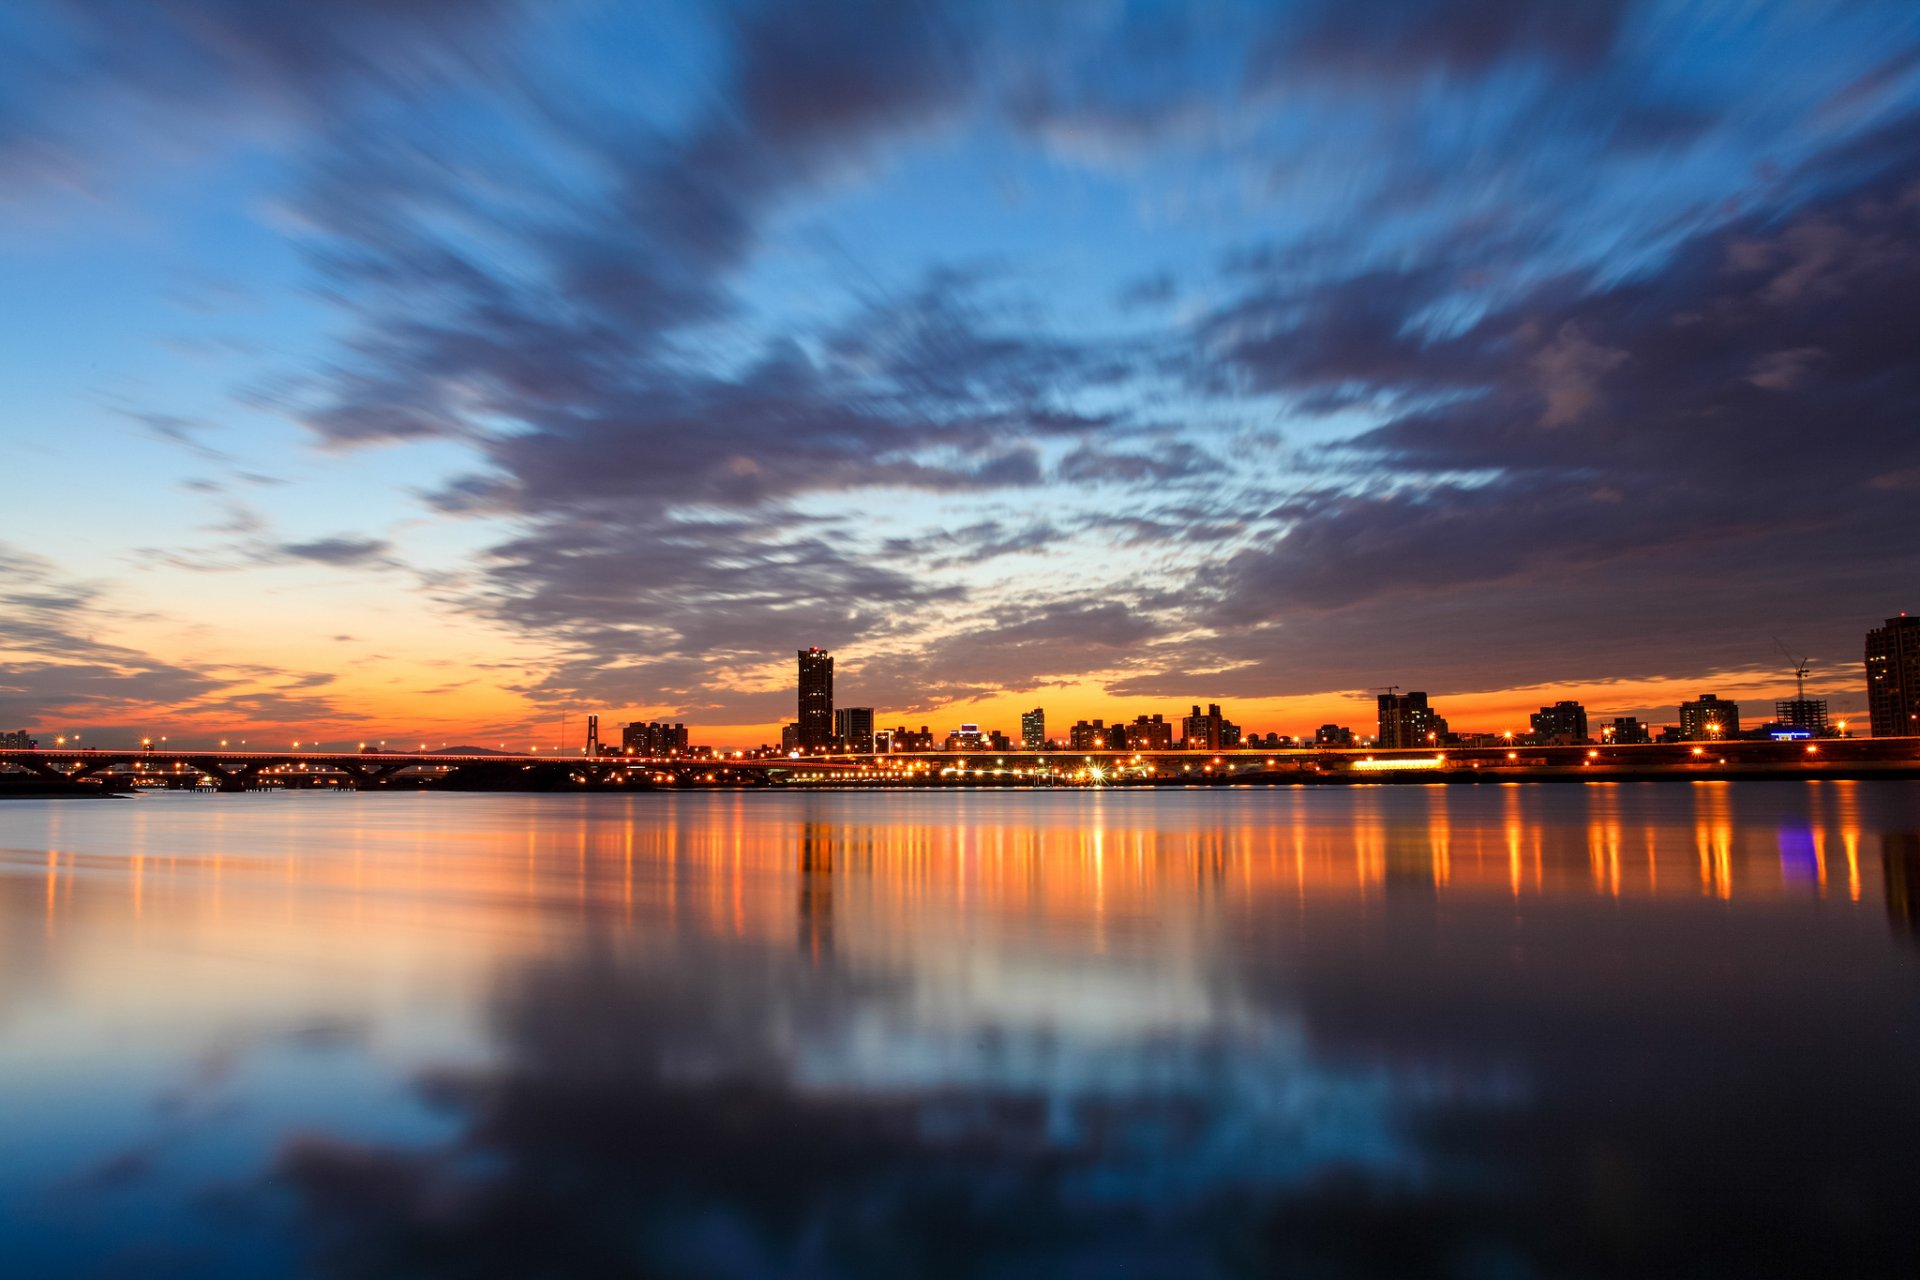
437, 369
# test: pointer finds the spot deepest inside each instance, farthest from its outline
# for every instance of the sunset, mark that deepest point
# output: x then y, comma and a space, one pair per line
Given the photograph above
874, 639
442, 370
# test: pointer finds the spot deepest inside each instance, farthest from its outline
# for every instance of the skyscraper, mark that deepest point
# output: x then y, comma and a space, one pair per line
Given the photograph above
816, 697
1033, 729
1893, 678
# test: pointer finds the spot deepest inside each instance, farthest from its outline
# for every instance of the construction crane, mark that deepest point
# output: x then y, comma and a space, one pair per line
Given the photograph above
1800, 666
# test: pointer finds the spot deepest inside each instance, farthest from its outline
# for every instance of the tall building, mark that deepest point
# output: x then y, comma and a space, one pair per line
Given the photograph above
1893, 678
16, 740
1627, 731
1407, 721
1562, 724
647, 738
816, 697
1208, 732
1709, 718
854, 727
789, 737
1084, 736
1033, 729
1150, 733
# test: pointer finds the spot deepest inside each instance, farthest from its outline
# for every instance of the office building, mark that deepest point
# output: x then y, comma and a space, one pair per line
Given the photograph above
1407, 721
1333, 735
1627, 731
853, 726
1709, 718
790, 737
1893, 678
648, 738
816, 697
1033, 729
1564, 724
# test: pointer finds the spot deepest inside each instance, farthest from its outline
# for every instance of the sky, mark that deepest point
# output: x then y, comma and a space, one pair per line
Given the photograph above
452, 370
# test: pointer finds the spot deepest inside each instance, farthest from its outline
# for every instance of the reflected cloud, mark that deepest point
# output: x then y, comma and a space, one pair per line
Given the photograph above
1388, 1031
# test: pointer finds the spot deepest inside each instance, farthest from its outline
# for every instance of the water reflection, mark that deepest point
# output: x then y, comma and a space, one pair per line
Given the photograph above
1900, 861
1476, 1031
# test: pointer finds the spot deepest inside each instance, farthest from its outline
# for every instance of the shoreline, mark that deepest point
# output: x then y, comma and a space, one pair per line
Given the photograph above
1466, 776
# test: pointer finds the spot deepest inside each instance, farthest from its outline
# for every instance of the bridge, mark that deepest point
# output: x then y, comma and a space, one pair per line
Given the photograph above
113, 768
96, 768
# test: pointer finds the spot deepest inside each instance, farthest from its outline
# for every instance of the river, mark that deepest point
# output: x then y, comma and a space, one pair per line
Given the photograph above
1635, 1029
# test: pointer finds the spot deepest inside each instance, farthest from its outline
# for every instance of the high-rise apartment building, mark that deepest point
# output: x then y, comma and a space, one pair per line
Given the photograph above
647, 738
1088, 736
1893, 678
816, 697
1709, 718
1208, 732
1150, 733
1407, 721
853, 726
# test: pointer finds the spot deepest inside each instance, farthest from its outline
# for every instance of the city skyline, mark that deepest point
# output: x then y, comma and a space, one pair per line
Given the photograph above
439, 372
1890, 671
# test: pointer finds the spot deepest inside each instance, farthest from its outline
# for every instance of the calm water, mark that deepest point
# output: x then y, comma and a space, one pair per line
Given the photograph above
1663, 1029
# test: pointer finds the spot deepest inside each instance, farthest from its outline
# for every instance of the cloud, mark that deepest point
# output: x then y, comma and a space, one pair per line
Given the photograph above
91, 85
55, 667
1628, 475
1467, 37
1784, 370
337, 551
